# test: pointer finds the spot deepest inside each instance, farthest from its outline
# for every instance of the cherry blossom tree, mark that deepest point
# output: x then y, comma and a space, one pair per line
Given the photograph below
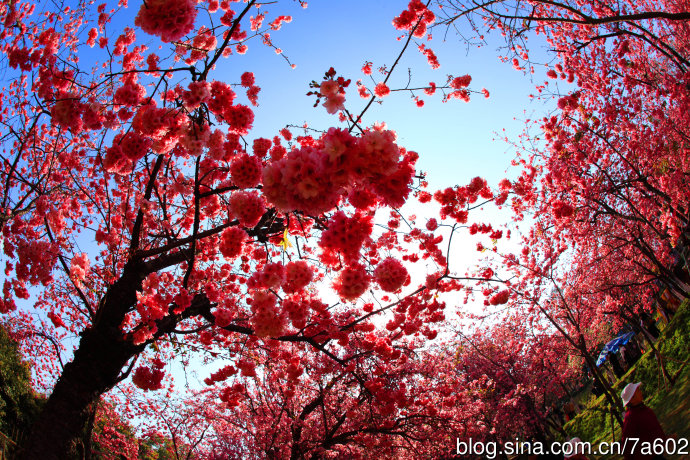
605, 180
401, 401
384, 401
609, 177
512, 373
141, 214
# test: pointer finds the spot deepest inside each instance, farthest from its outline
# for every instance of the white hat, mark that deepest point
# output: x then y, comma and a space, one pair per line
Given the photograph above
575, 447
629, 391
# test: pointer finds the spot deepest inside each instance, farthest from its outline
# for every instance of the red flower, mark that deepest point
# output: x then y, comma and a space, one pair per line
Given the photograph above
390, 274
382, 90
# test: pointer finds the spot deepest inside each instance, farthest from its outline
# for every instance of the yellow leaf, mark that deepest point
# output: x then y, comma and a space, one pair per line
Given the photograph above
285, 243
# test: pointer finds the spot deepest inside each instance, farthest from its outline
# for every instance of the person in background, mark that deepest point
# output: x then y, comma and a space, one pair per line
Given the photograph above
647, 322
624, 357
597, 390
640, 423
616, 365
634, 351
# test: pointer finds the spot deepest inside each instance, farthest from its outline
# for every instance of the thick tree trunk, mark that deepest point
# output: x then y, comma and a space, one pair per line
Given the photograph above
98, 361
94, 370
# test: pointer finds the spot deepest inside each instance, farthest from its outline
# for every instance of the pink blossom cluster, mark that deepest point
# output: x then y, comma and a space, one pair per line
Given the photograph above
334, 94
130, 94
197, 92
231, 241
480, 228
231, 395
277, 23
390, 274
182, 300
416, 14
168, 19
125, 151
461, 94
123, 41
93, 34
203, 42
461, 82
240, 118
36, 261
159, 125
221, 375
222, 317
67, 113
271, 276
298, 275
266, 318
346, 235
382, 90
562, 209
247, 80
297, 309
363, 91
221, 98
313, 179
352, 282
292, 277
247, 207
294, 370
20, 57
390, 398
260, 147
94, 116
454, 201
195, 139
245, 171
153, 303
151, 121
56, 319
247, 368
79, 267
430, 56
569, 103
7, 303
148, 379
500, 297
362, 198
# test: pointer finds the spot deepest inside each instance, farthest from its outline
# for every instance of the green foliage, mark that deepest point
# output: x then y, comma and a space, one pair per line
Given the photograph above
156, 448
19, 404
671, 404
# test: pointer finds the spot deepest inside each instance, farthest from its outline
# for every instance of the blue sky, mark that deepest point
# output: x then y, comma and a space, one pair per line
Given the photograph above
455, 139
